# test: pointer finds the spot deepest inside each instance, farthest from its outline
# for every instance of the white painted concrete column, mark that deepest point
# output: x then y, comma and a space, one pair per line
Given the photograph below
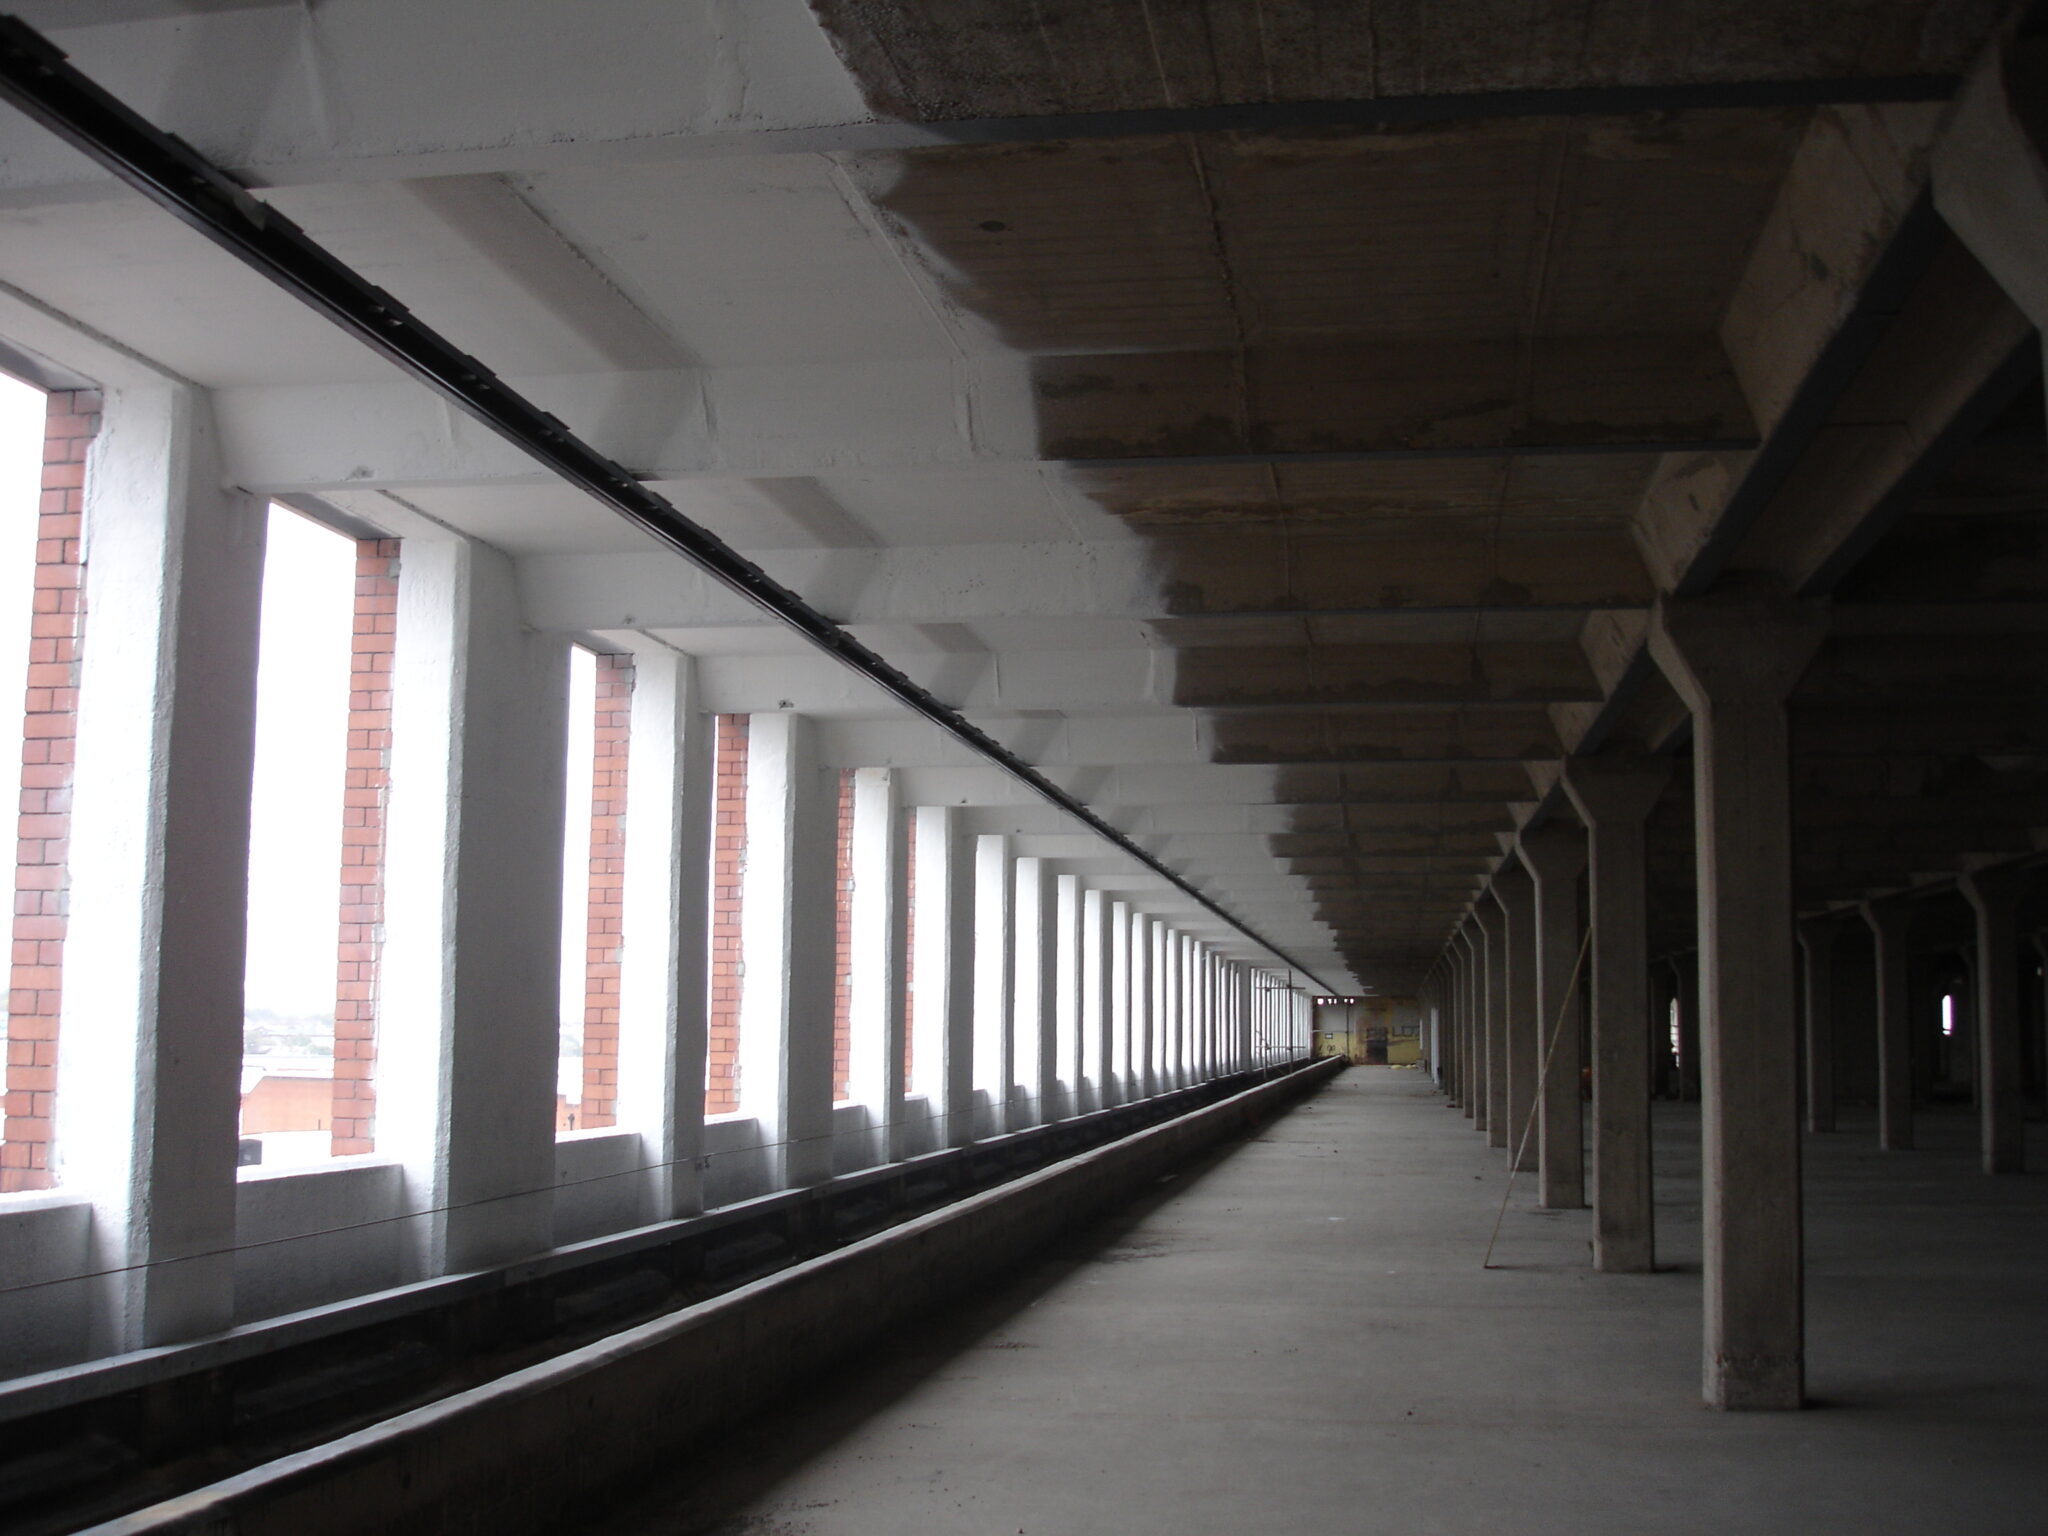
1144, 1004
1122, 1003
1162, 1006
150, 1044
1036, 1011
468, 1031
1173, 977
995, 968
1205, 1062
942, 972
1615, 796
1098, 1002
1817, 937
1994, 895
1070, 1048
1734, 660
1190, 989
878, 929
787, 949
665, 954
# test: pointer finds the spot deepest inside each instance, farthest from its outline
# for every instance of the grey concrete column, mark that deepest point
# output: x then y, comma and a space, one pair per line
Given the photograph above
665, 945
995, 965
1891, 924
1471, 1035
1493, 926
786, 945
150, 1047
879, 927
1475, 1022
1817, 937
1615, 796
1432, 1002
1554, 855
1491, 949
1461, 952
1734, 660
1454, 1053
1516, 893
942, 974
1995, 895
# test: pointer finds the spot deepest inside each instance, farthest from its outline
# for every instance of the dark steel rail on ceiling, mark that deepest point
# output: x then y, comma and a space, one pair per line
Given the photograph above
36, 78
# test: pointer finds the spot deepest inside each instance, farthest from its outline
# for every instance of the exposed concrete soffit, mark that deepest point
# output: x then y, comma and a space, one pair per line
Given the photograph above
642, 82
1849, 298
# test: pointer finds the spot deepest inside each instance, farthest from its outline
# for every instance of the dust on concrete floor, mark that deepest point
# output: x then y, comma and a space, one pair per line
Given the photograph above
1296, 1335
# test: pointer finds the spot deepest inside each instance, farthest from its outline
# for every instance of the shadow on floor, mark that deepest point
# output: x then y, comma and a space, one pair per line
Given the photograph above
698, 1493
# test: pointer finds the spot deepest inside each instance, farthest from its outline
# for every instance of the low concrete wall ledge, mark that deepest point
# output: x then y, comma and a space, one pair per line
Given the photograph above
518, 1453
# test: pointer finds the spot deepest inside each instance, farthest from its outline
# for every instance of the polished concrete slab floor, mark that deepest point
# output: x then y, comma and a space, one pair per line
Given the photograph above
1297, 1336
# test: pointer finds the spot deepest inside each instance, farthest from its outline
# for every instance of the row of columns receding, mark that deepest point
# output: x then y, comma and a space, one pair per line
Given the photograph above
1504, 998
1037, 996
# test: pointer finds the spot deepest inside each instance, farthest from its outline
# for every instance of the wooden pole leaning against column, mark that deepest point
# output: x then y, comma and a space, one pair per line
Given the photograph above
1734, 659
1615, 795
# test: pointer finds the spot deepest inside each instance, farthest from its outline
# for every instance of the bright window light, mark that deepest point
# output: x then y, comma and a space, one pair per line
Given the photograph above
576, 885
295, 841
1948, 1015
22, 409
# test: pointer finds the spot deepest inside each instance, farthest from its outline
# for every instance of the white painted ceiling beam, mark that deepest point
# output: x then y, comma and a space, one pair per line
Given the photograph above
662, 423
1129, 681
360, 90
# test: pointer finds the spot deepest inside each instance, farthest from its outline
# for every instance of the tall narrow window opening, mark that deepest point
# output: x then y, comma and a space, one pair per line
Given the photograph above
306, 744
368, 784
728, 864
907, 970
594, 869
43, 445
842, 938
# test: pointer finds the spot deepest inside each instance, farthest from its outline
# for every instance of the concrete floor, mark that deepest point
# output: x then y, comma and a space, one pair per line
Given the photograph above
1297, 1336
